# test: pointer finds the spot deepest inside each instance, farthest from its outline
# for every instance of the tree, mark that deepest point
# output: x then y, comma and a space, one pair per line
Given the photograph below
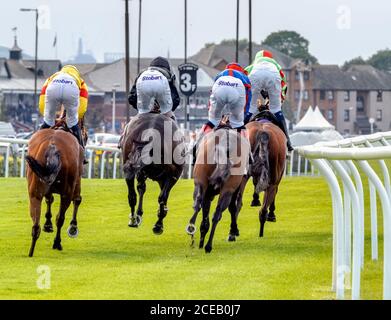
381, 60
291, 43
348, 64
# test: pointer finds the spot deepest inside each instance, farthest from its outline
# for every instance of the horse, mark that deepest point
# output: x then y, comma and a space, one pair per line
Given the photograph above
268, 147
152, 147
221, 165
55, 165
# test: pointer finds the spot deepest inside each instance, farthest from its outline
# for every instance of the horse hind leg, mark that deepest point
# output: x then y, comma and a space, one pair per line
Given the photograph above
263, 213
223, 203
35, 212
204, 227
64, 205
165, 187
141, 188
48, 226
271, 215
233, 209
73, 230
255, 202
197, 198
132, 200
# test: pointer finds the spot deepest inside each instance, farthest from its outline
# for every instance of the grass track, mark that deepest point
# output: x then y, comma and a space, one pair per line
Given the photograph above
109, 260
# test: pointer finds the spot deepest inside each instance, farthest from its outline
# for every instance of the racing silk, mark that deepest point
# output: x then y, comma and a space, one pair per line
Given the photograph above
83, 97
244, 79
259, 58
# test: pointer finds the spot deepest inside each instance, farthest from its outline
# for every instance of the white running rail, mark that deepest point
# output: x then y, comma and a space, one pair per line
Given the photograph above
339, 159
7, 143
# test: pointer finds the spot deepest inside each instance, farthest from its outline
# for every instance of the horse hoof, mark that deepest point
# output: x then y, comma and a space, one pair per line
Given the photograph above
73, 231
271, 218
231, 238
208, 248
255, 203
48, 228
57, 246
135, 222
191, 229
157, 230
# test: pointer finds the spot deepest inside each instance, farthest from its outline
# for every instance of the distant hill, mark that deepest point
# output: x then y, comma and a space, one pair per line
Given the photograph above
5, 53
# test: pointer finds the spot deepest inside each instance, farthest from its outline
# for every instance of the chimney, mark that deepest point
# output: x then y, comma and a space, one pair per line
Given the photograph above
16, 52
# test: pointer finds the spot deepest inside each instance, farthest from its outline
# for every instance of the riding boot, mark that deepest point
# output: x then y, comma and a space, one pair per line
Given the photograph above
44, 125
76, 131
282, 125
206, 128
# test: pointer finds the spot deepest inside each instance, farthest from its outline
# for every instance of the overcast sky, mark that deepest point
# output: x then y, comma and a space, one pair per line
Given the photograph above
337, 29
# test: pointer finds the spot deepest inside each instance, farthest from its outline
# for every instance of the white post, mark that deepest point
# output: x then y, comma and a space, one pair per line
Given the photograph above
102, 165
291, 166
113, 113
7, 158
356, 228
338, 223
22, 162
385, 201
91, 158
373, 204
115, 165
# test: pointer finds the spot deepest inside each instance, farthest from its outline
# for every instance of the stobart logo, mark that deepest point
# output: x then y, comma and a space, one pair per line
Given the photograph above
152, 78
227, 83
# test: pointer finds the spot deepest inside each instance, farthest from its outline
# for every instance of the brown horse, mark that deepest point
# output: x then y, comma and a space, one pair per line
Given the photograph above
221, 164
55, 164
268, 147
152, 147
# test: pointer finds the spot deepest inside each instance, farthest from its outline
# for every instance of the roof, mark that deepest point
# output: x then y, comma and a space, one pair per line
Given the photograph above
357, 77
48, 67
313, 120
213, 55
102, 78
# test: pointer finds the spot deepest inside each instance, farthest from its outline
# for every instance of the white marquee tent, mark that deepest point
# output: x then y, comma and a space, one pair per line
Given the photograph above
312, 128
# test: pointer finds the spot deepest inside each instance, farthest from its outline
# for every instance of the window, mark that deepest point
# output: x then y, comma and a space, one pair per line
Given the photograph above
379, 96
297, 75
322, 95
346, 96
346, 115
379, 115
305, 95
330, 114
297, 95
330, 95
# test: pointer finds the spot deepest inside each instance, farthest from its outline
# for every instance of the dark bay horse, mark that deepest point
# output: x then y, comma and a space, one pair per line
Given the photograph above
220, 168
55, 164
268, 147
152, 147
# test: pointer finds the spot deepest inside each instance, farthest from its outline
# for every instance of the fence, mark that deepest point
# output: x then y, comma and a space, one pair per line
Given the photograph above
103, 162
340, 159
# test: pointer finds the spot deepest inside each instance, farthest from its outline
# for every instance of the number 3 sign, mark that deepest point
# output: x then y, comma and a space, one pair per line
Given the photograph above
188, 78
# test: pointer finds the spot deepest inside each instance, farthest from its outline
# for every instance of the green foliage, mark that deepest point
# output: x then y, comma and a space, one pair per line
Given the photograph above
109, 260
381, 60
354, 61
290, 43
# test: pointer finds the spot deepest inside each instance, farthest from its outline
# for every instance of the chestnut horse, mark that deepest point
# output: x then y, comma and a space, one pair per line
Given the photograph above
152, 147
55, 164
268, 147
221, 164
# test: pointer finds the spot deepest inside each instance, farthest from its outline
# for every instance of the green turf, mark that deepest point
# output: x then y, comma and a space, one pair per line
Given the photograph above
109, 260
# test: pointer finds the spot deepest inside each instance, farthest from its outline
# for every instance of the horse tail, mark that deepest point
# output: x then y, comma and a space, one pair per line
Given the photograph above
135, 161
48, 172
260, 166
223, 164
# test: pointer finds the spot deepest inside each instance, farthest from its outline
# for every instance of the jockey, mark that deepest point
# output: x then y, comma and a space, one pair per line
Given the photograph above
67, 88
231, 92
266, 74
232, 88
156, 83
